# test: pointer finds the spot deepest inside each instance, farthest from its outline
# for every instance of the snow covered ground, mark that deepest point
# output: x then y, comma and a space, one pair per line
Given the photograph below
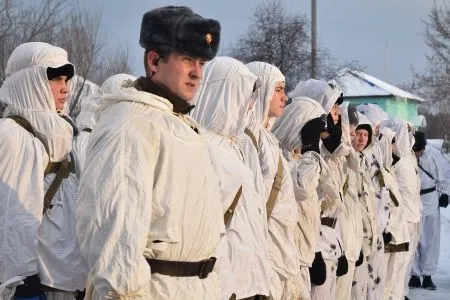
442, 278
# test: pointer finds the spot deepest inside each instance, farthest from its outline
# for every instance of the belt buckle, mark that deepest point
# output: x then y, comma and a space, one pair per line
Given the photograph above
206, 267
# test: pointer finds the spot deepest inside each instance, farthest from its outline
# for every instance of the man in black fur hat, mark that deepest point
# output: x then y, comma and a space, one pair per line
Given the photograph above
149, 200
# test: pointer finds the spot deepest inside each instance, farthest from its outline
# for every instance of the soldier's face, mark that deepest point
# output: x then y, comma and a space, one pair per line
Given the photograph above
279, 100
60, 91
179, 73
360, 140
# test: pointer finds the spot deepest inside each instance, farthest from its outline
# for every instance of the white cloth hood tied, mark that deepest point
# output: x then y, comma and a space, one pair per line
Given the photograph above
403, 144
268, 75
373, 112
27, 93
287, 127
319, 90
223, 96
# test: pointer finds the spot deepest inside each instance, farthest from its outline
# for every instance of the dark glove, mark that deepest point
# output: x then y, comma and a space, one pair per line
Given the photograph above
443, 200
387, 237
335, 131
30, 289
79, 295
360, 259
342, 267
318, 270
310, 134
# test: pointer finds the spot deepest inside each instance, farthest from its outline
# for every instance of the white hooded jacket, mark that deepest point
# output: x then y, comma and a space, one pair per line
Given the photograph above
311, 181
222, 102
282, 222
27, 93
431, 163
148, 191
406, 170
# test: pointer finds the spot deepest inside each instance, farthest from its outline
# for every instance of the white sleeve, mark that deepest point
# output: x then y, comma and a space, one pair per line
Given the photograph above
23, 158
306, 177
114, 210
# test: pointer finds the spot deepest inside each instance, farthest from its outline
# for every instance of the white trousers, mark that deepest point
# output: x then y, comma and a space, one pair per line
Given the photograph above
377, 271
344, 283
360, 279
305, 283
415, 230
397, 267
326, 291
427, 254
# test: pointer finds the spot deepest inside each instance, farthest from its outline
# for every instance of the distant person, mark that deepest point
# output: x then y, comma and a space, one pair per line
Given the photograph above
434, 194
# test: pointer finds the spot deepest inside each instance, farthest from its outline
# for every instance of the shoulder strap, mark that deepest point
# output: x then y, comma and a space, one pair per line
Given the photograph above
276, 187
230, 211
62, 173
426, 172
23, 123
252, 137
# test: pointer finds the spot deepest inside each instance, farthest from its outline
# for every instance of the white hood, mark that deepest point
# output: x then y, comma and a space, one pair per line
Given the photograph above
318, 90
373, 112
116, 82
287, 128
223, 97
27, 93
403, 143
268, 76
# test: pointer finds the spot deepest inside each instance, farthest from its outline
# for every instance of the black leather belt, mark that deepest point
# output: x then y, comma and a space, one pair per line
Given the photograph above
390, 248
330, 222
182, 268
427, 191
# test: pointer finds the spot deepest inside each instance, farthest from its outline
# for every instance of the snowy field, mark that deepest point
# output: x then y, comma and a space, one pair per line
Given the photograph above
442, 278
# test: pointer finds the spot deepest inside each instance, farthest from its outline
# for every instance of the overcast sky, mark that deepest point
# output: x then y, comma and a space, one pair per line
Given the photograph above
385, 36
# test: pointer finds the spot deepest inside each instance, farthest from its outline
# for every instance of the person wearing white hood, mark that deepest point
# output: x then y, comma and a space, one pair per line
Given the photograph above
377, 157
339, 156
86, 120
281, 208
406, 217
299, 130
149, 211
37, 239
222, 101
434, 195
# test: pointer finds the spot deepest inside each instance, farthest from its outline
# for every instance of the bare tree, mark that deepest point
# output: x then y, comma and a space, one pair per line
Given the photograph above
433, 84
277, 37
62, 23
281, 38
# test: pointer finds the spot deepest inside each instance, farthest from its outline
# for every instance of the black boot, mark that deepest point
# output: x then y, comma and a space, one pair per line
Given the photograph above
428, 283
414, 282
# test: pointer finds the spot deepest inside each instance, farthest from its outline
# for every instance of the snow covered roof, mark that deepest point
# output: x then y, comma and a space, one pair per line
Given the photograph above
359, 84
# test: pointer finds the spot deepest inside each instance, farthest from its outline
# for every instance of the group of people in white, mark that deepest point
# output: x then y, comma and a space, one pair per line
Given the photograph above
204, 180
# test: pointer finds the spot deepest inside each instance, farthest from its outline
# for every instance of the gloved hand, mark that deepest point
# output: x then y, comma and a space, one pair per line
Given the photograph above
310, 134
30, 289
318, 270
443, 200
342, 267
360, 259
387, 237
335, 131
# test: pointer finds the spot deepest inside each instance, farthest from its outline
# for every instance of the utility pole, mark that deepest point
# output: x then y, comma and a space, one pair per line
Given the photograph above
313, 38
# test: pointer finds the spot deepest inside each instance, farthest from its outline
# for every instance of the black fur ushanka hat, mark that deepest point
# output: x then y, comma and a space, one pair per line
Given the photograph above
178, 28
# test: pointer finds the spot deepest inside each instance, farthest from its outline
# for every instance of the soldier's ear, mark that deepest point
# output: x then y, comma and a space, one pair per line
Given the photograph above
152, 61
